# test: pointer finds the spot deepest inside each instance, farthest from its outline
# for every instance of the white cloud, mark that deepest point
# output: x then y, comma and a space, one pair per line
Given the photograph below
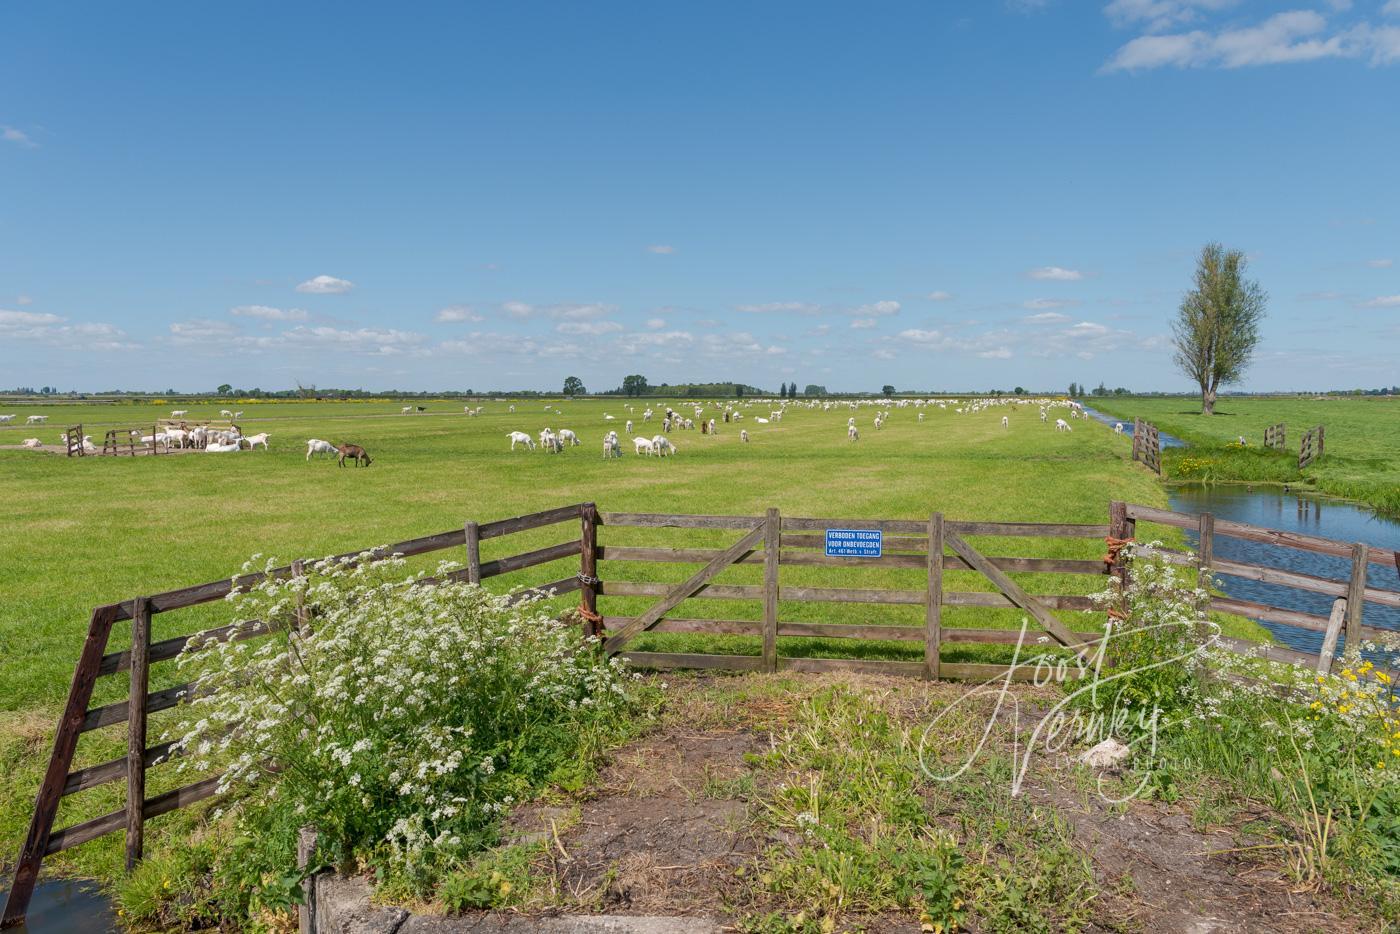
1383, 301
774, 351
565, 311
1056, 274
1160, 15
801, 308
1036, 304
374, 341
325, 285
13, 135
1000, 353
939, 296
661, 248
919, 336
1381, 263
518, 309
1292, 36
877, 309
1046, 317
266, 313
655, 324
199, 330
587, 327
861, 324
55, 330
24, 300
1392, 8
456, 313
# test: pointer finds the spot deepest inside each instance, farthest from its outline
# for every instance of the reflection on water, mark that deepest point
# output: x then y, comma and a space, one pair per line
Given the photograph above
1292, 512
61, 906
1168, 441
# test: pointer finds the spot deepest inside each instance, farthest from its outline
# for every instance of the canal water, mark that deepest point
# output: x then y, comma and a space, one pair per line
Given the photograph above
1168, 441
61, 906
1294, 512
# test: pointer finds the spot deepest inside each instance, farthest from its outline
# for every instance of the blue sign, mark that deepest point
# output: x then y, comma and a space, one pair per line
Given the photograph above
854, 543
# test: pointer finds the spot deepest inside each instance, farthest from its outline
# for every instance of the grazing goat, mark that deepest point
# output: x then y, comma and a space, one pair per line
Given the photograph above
629, 426
257, 439
1062, 425
611, 447
744, 435
1005, 422
6, 419
406, 410
519, 437
646, 415
852, 433
512, 408
238, 414
177, 413
663, 446
225, 413
36, 419
921, 416
568, 437
356, 453
316, 446
1118, 428
643, 445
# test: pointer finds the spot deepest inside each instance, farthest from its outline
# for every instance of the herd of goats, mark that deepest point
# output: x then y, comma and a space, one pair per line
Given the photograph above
232, 439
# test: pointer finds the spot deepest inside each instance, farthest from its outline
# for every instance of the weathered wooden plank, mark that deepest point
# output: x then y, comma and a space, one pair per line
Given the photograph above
1254, 533
684, 660
77, 834
531, 559
1268, 575
111, 770
864, 666
1328, 654
1011, 589
651, 520
609, 588
1205, 549
983, 599
136, 733
892, 526
471, 533
1356, 596
535, 520
588, 568
810, 559
684, 590
852, 631
854, 595
933, 608
170, 648
40, 834
724, 627
1002, 636
99, 717
671, 555
1272, 614
771, 551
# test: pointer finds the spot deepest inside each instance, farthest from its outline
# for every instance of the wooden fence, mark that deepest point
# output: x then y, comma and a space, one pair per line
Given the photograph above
1311, 448
931, 546
128, 441
1276, 436
73, 441
1147, 445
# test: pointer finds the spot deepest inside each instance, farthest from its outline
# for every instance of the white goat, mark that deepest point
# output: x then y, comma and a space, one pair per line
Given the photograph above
663, 446
852, 433
406, 410
33, 443
36, 419
519, 437
744, 435
643, 445
225, 413
1005, 422
179, 412
254, 440
317, 446
568, 437
1062, 425
1118, 428
646, 415
629, 426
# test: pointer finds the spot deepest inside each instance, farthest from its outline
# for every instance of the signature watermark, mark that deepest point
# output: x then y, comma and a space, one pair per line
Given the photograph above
1072, 720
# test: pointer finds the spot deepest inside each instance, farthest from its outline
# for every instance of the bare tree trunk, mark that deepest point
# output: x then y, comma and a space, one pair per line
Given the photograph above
1208, 401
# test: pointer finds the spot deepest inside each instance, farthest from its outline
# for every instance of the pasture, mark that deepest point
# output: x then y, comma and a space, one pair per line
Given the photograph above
1362, 459
82, 531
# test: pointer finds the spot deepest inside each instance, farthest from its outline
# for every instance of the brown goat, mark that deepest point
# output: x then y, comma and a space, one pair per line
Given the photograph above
353, 451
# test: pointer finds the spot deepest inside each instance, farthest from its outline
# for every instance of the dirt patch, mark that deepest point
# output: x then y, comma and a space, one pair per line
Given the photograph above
667, 828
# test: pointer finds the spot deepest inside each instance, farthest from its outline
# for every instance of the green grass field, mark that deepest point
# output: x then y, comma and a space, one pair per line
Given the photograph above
1362, 459
84, 531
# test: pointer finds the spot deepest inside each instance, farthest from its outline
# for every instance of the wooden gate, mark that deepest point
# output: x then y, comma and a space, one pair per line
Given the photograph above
1147, 445
1276, 436
73, 439
1311, 448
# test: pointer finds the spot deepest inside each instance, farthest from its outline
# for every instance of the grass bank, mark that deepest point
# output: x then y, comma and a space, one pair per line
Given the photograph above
1361, 463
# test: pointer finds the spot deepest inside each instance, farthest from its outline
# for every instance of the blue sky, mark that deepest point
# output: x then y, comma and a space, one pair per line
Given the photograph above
955, 195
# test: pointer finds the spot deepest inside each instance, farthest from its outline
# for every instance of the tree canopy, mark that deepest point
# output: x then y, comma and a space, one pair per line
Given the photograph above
1217, 326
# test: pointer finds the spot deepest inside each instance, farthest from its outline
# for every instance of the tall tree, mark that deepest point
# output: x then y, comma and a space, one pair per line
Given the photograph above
1217, 327
782, 391
634, 385
887, 389
573, 386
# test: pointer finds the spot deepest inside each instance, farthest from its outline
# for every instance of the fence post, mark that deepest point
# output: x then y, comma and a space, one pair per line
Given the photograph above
301, 618
1205, 550
136, 731
1328, 655
473, 533
1120, 528
307, 838
771, 543
588, 568
933, 614
1356, 596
